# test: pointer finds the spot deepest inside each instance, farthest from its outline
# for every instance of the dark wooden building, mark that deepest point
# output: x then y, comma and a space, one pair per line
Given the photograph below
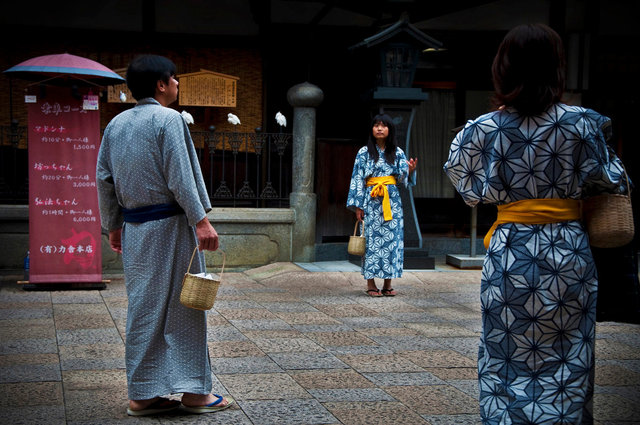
271, 45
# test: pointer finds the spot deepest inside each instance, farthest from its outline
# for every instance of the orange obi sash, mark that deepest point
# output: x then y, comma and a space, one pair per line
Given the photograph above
535, 211
380, 189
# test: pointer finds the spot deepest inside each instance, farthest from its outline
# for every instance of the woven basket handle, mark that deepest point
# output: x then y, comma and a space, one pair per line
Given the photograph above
224, 258
355, 228
626, 177
624, 170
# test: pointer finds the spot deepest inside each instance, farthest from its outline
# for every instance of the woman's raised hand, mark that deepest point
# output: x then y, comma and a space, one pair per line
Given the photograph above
413, 163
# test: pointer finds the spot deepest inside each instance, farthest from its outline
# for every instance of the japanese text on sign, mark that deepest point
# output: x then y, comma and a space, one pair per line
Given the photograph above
64, 224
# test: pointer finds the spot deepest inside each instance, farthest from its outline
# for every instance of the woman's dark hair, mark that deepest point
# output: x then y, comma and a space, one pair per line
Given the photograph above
145, 71
390, 145
529, 69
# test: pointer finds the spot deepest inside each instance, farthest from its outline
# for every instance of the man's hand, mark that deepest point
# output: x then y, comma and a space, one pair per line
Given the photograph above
359, 214
207, 235
115, 240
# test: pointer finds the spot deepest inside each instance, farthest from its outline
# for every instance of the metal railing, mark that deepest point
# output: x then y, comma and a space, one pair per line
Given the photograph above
240, 169
245, 169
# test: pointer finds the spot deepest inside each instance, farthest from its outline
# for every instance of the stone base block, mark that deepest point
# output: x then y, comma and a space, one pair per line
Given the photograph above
462, 261
418, 259
63, 286
414, 259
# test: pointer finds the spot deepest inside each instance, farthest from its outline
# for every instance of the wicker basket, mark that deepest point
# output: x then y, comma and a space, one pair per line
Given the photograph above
609, 219
199, 292
357, 244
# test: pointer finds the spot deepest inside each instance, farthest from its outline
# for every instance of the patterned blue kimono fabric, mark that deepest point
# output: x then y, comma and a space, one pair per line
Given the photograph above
539, 283
384, 256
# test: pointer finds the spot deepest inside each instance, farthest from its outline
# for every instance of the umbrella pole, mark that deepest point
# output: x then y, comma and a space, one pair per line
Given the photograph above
10, 99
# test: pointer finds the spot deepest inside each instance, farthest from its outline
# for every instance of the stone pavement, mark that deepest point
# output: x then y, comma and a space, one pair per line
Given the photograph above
293, 343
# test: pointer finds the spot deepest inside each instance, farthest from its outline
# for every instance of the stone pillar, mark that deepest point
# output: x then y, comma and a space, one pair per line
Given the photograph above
304, 98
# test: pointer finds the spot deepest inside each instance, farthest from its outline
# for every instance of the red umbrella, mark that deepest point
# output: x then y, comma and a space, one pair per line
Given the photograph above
65, 66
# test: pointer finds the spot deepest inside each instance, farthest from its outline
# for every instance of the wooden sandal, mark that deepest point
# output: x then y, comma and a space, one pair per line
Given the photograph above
373, 292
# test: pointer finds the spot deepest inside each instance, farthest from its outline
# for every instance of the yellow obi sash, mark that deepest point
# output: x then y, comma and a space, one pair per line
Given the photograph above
535, 211
380, 189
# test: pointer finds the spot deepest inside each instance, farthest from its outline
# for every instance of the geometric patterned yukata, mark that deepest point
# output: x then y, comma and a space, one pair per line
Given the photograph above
539, 283
147, 158
384, 255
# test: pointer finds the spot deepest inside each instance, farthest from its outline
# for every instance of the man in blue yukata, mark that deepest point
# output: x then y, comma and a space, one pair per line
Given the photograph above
154, 204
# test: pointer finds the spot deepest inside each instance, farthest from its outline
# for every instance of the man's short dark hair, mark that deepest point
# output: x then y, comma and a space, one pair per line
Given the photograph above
145, 71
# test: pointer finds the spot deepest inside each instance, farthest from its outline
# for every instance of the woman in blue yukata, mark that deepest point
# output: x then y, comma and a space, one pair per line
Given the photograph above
374, 196
535, 158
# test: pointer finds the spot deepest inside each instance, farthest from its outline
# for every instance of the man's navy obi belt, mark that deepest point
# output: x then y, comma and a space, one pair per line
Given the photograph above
151, 212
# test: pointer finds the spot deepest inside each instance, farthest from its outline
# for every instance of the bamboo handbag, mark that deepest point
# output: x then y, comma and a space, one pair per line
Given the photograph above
609, 218
357, 244
198, 291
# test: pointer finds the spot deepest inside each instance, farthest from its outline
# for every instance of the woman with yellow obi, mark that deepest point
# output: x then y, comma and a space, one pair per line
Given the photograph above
535, 158
374, 196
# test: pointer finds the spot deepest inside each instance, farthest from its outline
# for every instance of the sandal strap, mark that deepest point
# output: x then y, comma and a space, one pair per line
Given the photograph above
218, 401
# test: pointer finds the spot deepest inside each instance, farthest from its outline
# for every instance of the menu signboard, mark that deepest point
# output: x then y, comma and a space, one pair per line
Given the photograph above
64, 223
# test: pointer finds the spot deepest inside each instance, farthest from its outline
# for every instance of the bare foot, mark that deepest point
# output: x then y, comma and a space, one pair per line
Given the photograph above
153, 406
142, 404
372, 289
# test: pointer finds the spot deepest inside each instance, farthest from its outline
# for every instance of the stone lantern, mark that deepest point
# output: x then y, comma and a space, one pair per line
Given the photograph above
398, 64
399, 47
